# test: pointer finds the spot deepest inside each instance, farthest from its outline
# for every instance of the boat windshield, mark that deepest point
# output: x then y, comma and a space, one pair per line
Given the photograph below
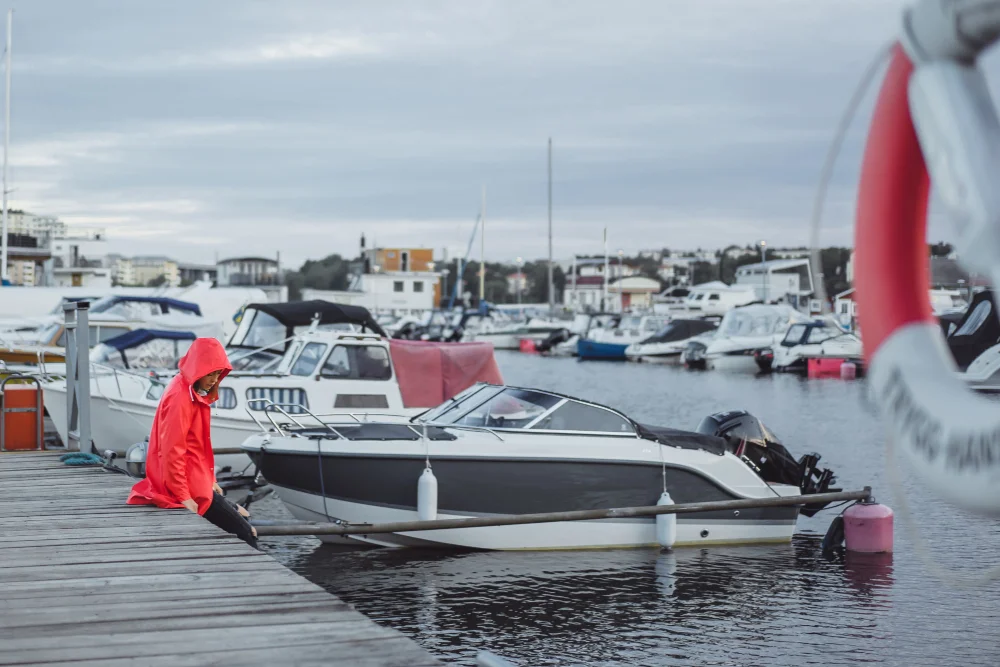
632, 322
510, 408
746, 324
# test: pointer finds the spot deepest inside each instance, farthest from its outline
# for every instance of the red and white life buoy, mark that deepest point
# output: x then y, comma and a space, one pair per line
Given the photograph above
949, 434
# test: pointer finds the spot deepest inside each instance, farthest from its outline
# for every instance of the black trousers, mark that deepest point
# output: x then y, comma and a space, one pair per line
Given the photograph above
223, 514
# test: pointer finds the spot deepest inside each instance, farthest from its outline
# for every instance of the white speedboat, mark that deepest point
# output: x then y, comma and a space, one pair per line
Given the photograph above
974, 342
319, 368
667, 344
747, 331
504, 333
498, 450
563, 342
811, 340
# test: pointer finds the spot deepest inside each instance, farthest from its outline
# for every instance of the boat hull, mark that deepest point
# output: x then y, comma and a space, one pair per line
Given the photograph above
589, 349
367, 488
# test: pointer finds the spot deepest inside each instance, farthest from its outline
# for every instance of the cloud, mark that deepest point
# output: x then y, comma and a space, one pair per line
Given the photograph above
254, 127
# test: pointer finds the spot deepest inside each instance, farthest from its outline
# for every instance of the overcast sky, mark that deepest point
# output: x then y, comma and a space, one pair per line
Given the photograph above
193, 128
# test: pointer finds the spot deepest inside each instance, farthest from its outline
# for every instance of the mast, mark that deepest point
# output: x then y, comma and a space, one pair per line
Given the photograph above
6, 145
604, 285
552, 288
482, 254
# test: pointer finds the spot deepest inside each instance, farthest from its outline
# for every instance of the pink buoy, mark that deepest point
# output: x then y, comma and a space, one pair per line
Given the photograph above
527, 345
848, 371
868, 528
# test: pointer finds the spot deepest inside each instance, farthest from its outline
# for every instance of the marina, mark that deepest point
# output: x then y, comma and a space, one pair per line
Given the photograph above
275, 388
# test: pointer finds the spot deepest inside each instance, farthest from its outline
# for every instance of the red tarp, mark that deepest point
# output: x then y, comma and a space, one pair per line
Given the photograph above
431, 373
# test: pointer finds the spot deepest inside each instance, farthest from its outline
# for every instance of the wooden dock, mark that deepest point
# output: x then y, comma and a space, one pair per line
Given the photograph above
86, 579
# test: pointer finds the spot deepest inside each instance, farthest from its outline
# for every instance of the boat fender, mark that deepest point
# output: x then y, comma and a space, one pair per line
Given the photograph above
834, 538
868, 528
848, 371
666, 524
427, 496
934, 119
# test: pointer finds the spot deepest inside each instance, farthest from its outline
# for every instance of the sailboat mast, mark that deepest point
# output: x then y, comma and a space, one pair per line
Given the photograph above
552, 289
6, 144
604, 285
482, 253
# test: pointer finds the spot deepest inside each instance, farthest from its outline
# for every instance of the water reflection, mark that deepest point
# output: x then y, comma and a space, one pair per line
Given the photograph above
640, 606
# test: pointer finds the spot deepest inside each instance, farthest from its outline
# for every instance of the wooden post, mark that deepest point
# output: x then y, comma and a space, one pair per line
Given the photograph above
305, 528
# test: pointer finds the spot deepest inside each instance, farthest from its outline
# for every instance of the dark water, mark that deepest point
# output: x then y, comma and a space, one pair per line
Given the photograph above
776, 605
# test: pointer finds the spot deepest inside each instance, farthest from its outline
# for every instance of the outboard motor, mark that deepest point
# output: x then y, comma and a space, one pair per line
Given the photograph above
557, 337
747, 437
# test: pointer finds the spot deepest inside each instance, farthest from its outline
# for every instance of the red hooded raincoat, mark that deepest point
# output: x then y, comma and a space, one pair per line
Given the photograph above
179, 460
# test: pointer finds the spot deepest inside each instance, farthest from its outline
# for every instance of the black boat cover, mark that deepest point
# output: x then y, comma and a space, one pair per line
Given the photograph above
301, 313
682, 439
376, 431
978, 330
681, 330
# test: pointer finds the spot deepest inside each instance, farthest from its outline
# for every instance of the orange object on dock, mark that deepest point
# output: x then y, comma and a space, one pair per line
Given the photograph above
21, 417
527, 345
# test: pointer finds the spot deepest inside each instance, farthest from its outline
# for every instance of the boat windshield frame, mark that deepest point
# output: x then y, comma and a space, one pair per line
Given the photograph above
466, 403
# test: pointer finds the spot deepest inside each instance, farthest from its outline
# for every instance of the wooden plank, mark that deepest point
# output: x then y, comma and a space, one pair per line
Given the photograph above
87, 579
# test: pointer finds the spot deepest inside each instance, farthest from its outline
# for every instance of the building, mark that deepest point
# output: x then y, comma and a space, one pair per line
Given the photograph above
403, 260
144, 270
81, 248
785, 280
195, 273
633, 293
39, 226
23, 272
248, 272
517, 283
790, 253
81, 276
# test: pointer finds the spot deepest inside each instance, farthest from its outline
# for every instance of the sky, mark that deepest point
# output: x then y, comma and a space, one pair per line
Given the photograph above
202, 129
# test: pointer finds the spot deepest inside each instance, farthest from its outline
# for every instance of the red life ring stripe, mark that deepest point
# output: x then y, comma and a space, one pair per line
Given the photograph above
892, 267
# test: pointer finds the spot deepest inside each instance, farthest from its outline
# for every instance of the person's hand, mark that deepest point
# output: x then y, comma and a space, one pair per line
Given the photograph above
218, 489
243, 511
190, 504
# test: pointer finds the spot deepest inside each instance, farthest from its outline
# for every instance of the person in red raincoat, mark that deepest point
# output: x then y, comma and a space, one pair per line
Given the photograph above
180, 465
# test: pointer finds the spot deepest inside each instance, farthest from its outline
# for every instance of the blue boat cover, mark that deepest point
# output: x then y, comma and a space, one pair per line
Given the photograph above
137, 337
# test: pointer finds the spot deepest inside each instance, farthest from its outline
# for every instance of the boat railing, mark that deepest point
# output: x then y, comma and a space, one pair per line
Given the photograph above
270, 406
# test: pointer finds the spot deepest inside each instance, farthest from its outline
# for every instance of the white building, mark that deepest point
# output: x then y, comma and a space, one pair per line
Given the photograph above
144, 269
248, 272
398, 292
785, 280
81, 247
81, 276
633, 293
517, 283
22, 272
39, 226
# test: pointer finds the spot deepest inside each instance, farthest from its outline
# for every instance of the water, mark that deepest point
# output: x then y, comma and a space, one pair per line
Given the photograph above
775, 605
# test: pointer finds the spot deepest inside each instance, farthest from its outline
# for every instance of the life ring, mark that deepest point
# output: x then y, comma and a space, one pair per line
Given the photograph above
949, 434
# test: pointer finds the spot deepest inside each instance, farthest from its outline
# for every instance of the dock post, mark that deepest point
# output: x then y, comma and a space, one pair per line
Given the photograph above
78, 376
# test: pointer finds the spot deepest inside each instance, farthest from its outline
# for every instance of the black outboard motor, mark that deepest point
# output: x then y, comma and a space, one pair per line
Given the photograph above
555, 338
749, 439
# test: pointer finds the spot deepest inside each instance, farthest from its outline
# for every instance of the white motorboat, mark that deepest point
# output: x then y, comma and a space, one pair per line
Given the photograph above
506, 334
497, 450
294, 355
811, 340
667, 344
974, 341
563, 342
747, 331
610, 343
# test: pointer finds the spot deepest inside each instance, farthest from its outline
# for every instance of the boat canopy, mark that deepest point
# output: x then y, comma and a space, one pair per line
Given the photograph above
977, 331
302, 313
166, 304
143, 349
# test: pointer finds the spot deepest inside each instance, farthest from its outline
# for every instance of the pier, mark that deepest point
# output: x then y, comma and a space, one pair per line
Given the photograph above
87, 579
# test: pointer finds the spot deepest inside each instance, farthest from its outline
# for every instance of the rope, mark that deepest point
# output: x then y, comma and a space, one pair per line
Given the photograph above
81, 459
826, 174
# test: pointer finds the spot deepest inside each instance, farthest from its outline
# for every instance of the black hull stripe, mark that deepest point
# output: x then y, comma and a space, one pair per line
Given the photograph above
478, 487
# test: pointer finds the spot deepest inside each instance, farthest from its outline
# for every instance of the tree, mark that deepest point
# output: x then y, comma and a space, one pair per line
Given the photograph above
329, 273
702, 272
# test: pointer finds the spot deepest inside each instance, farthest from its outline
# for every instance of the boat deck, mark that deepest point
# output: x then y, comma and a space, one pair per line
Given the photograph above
87, 579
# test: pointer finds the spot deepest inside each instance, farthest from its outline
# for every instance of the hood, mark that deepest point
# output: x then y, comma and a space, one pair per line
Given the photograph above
206, 355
